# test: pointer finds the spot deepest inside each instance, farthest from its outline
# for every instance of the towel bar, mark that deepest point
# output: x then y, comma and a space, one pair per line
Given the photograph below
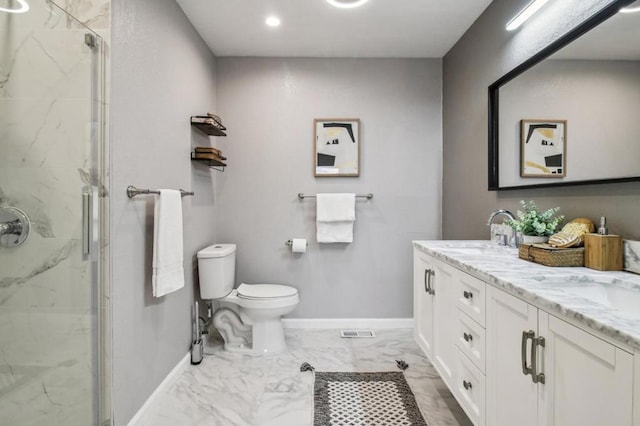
132, 191
367, 196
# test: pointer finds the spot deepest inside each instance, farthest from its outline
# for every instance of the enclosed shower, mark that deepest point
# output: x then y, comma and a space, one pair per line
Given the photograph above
54, 311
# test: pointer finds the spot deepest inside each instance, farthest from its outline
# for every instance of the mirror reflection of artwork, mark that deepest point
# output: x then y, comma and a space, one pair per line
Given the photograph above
337, 147
543, 148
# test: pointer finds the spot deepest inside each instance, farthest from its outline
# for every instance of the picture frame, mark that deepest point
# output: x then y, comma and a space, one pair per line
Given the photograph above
543, 148
336, 150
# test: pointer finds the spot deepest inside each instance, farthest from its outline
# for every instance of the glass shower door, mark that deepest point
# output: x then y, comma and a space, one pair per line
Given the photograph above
50, 156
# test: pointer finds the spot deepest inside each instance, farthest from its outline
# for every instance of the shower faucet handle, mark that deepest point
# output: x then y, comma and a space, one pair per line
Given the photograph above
14, 227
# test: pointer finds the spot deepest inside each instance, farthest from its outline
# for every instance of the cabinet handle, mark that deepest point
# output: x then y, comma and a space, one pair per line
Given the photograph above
467, 295
432, 274
467, 385
467, 337
526, 335
535, 375
428, 273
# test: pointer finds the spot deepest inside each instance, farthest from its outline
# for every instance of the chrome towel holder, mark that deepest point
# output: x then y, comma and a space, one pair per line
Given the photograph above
367, 196
132, 191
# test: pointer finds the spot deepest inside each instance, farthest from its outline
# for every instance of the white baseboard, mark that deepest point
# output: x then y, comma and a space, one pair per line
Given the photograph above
375, 323
163, 386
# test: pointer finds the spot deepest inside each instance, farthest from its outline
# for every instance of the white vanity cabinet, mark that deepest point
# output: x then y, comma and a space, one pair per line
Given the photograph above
544, 371
508, 362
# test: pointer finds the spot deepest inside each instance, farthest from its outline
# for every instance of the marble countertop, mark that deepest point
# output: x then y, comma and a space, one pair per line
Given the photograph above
608, 302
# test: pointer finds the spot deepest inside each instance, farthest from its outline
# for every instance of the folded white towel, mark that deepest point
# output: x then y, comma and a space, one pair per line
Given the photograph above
168, 273
335, 215
336, 207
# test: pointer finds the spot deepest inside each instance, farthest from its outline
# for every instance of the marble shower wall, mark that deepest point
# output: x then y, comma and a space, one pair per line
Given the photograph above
47, 298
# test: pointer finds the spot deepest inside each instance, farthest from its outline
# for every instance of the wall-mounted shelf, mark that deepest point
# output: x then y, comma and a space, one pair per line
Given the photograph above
207, 128
212, 126
211, 163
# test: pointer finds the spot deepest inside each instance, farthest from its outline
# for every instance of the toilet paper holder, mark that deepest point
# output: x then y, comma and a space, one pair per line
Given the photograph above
290, 243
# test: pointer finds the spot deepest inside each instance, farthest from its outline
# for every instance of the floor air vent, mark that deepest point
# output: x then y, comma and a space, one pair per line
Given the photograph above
357, 333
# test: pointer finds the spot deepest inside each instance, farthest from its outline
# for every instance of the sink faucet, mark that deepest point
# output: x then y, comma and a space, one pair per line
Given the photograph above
503, 239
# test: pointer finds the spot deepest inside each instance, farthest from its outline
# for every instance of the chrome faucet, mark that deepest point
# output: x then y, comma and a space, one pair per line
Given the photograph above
14, 226
503, 239
10, 227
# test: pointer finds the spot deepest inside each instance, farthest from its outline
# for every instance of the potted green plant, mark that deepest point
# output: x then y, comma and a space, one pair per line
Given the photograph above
535, 226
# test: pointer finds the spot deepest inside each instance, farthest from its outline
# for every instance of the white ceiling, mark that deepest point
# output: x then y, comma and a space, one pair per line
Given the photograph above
313, 28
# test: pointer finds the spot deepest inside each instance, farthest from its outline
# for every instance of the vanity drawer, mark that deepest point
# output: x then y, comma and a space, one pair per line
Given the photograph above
471, 340
470, 389
471, 296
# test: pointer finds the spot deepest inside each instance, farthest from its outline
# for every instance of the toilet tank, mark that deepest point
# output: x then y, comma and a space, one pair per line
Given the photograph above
217, 270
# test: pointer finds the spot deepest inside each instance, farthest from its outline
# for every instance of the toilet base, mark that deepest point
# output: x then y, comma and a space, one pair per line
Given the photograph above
268, 337
263, 336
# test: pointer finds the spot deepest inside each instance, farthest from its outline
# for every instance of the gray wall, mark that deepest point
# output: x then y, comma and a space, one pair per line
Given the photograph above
162, 73
269, 106
484, 53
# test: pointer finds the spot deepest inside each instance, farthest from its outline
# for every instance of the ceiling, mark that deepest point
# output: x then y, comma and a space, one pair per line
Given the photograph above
313, 28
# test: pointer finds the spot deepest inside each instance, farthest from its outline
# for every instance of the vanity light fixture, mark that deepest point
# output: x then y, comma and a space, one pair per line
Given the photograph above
525, 14
24, 7
630, 9
346, 4
272, 21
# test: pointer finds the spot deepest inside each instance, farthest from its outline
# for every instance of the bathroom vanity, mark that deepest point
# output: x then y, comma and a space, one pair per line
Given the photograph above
519, 343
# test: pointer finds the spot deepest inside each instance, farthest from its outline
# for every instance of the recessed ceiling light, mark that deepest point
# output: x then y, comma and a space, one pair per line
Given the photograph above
346, 4
525, 14
24, 7
272, 21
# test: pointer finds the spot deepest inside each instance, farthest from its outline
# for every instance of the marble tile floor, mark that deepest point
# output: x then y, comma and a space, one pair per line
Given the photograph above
229, 389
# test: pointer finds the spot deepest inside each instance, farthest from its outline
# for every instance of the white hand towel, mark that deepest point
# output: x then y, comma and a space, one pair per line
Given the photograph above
168, 273
335, 215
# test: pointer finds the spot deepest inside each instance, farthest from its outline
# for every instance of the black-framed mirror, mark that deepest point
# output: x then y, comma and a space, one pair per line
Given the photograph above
588, 80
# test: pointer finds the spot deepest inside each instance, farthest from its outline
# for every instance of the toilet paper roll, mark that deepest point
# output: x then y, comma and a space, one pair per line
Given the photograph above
299, 245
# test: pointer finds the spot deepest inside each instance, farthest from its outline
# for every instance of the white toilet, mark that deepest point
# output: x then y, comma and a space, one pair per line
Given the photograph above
261, 305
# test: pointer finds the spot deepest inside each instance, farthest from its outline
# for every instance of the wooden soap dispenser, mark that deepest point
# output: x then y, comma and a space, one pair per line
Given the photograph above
603, 251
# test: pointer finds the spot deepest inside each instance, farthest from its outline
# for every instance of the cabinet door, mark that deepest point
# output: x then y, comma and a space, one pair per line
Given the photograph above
445, 333
511, 395
587, 381
423, 302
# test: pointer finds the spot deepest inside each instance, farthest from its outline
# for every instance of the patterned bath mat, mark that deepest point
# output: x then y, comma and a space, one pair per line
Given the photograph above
372, 399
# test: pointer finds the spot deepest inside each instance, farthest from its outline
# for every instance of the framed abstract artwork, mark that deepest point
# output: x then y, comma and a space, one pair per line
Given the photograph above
336, 147
543, 148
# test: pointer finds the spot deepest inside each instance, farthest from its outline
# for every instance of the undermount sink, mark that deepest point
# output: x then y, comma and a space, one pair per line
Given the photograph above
622, 298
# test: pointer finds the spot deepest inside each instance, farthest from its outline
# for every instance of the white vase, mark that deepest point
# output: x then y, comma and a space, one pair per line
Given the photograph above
534, 239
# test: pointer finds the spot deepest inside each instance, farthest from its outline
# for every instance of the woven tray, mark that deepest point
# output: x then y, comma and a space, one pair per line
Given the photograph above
546, 255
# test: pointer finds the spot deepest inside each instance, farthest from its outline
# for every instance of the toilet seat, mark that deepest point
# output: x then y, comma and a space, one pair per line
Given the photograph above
265, 291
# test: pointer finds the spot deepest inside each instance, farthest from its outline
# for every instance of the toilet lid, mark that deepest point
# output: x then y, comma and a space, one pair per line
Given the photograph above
265, 291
